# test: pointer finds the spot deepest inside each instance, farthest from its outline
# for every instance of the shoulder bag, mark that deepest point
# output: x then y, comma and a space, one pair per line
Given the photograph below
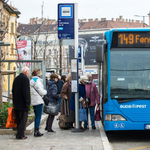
45, 98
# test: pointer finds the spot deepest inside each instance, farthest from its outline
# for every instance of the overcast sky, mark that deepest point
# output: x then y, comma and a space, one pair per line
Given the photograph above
87, 9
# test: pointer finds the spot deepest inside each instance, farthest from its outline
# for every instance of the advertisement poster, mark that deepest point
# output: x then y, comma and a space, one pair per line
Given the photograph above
24, 52
88, 42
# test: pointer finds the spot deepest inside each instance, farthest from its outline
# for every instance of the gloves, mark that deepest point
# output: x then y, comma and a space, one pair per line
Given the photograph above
81, 99
87, 100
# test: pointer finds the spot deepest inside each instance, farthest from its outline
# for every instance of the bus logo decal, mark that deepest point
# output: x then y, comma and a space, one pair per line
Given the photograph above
116, 125
122, 125
133, 106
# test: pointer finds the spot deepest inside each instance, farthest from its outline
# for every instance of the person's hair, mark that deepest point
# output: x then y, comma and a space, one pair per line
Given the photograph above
36, 72
68, 77
25, 69
88, 75
63, 78
53, 76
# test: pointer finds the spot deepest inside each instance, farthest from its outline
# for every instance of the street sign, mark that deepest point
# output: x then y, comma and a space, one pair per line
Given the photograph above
66, 21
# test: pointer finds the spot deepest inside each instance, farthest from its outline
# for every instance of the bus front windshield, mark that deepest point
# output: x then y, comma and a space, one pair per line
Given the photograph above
130, 73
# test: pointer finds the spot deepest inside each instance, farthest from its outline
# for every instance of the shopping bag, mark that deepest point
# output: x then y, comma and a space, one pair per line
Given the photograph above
11, 120
97, 114
82, 113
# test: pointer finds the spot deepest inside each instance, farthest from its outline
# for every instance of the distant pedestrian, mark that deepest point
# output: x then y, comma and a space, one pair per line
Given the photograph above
21, 101
82, 96
52, 93
63, 78
37, 92
92, 93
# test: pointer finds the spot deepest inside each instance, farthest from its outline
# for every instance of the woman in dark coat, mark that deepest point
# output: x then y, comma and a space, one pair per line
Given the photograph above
53, 97
66, 94
82, 96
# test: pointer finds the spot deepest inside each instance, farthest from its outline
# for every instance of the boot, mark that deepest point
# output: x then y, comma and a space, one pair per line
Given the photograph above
37, 133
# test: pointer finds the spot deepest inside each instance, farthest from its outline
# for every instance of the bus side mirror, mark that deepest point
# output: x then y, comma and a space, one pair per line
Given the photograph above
100, 51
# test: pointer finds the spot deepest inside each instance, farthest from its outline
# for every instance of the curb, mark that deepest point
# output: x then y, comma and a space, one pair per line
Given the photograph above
29, 129
103, 136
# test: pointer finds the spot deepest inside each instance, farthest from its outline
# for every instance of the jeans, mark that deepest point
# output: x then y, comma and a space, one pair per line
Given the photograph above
92, 116
60, 100
38, 113
49, 122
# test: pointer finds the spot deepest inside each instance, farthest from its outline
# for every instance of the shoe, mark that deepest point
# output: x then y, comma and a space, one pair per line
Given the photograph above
93, 127
24, 137
45, 128
37, 133
86, 127
51, 131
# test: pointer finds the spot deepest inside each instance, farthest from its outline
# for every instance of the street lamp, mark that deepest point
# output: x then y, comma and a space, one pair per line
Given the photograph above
143, 18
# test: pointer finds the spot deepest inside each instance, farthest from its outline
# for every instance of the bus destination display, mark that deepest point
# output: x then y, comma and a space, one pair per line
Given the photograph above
131, 39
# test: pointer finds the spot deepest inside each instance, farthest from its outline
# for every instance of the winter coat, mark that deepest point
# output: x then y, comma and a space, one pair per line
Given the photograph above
52, 91
21, 93
60, 84
94, 96
36, 96
82, 93
65, 93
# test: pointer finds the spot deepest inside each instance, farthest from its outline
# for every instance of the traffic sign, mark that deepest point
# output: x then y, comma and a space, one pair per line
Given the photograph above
66, 21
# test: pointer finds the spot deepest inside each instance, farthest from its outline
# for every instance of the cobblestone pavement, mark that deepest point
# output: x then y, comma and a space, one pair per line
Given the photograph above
61, 140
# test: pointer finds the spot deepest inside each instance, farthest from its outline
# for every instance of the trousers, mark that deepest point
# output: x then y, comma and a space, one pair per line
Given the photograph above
21, 117
92, 116
49, 122
38, 113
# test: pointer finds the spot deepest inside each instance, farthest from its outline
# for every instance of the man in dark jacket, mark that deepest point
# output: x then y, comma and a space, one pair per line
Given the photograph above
21, 101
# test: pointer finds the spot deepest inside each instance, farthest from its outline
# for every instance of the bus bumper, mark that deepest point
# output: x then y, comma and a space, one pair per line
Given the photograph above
125, 125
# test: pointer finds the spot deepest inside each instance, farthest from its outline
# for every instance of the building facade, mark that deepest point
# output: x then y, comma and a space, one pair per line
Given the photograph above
10, 15
46, 45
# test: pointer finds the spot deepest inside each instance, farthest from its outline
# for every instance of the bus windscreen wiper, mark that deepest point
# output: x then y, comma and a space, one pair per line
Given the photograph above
132, 99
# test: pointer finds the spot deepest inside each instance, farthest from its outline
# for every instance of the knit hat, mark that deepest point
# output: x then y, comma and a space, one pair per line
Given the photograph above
84, 78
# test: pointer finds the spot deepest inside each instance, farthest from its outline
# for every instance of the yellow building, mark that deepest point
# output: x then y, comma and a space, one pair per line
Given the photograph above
10, 15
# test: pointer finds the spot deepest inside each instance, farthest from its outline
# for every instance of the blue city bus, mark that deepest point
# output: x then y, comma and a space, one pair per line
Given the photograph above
125, 58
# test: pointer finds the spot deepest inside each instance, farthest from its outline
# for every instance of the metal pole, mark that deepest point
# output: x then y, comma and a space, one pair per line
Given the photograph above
82, 61
143, 20
77, 129
60, 57
8, 82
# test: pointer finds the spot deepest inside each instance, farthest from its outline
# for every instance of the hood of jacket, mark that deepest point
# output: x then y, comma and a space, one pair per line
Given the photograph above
34, 80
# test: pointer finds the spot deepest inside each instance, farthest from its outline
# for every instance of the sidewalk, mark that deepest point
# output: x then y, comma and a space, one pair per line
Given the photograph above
61, 140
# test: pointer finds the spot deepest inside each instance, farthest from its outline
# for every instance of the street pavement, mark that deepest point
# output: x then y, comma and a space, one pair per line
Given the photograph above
61, 140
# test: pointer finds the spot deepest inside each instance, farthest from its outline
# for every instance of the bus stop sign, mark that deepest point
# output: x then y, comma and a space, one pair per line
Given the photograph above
66, 21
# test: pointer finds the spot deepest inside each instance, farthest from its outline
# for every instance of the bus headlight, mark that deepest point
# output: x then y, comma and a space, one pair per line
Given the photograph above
111, 117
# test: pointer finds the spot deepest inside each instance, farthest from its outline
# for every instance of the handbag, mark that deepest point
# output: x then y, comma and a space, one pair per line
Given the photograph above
11, 120
97, 114
45, 98
82, 113
51, 108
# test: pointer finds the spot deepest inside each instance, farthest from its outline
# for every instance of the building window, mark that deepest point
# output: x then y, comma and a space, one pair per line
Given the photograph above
55, 52
12, 28
49, 62
49, 51
12, 48
55, 62
66, 50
